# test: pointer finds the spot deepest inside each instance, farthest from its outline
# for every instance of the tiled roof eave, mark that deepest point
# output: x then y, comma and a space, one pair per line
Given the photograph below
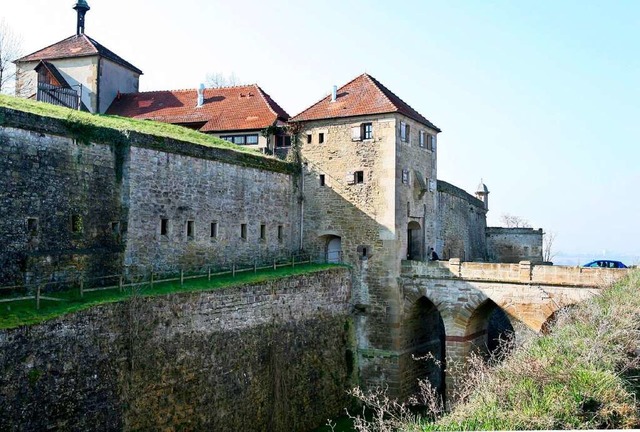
62, 57
429, 124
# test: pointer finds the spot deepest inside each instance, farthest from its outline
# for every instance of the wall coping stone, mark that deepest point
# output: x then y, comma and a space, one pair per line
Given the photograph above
76, 129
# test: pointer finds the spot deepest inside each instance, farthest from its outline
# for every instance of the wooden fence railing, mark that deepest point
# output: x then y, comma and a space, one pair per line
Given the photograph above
121, 282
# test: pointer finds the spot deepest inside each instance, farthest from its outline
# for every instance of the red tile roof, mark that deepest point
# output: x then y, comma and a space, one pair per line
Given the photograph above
362, 96
77, 46
224, 109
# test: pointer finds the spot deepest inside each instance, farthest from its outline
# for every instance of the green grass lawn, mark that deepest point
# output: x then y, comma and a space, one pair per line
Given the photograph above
121, 124
24, 312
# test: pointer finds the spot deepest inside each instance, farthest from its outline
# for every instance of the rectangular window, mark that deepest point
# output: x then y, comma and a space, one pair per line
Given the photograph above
76, 223
243, 231
263, 232
432, 142
421, 139
321, 138
250, 139
280, 232
321, 179
213, 233
367, 131
164, 227
405, 132
405, 176
32, 226
308, 138
358, 177
191, 229
283, 141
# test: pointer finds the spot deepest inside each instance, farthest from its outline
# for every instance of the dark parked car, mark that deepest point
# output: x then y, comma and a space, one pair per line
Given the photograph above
605, 264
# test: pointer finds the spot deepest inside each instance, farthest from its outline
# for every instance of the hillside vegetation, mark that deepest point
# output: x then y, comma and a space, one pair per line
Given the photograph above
584, 375
122, 124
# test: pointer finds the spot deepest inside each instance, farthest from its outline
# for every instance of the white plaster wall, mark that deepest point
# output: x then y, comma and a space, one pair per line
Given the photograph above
113, 79
81, 70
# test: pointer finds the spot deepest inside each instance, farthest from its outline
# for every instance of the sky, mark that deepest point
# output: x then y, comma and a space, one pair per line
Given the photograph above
539, 99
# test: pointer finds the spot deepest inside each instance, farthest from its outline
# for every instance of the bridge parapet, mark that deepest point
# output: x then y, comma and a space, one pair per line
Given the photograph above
523, 272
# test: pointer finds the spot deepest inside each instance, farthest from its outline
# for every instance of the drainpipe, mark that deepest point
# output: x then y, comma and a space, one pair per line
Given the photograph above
98, 86
302, 165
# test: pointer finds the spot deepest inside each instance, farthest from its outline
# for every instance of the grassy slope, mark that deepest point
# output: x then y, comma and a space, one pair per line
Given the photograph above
20, 313
120, 123
581, 376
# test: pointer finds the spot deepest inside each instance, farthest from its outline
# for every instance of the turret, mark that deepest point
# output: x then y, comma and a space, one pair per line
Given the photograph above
81, 7
482, 193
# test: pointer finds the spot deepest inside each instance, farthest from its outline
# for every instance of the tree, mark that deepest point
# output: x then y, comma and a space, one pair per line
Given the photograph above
10, 50
218, 79
547, 246
512, 221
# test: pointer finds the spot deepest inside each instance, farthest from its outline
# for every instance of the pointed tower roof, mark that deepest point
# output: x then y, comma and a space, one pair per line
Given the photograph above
482, 188
362, 96
77, 46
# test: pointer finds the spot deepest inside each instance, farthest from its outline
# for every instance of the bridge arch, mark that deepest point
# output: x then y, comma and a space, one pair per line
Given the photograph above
425, 346
488, 327
549, 324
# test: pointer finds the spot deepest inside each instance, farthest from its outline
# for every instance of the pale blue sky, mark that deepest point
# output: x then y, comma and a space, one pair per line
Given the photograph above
538, 98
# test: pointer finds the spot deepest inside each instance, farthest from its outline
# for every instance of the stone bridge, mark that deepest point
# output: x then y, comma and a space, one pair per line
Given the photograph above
452, 308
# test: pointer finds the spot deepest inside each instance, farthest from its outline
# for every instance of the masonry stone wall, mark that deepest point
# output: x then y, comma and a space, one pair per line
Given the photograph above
372, 216
462, 220
416, 174
80, 200
511, 245
60, 199
206, 204
273, 356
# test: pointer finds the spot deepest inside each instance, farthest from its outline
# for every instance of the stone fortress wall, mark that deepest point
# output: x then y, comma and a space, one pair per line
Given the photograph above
462, 221
272, 356
512, 245
78, 204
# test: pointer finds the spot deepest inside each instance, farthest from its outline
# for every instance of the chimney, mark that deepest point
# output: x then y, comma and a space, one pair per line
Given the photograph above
200, 95
81, 7
334, 93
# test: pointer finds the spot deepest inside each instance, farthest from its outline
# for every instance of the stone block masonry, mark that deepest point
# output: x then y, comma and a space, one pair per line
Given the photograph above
274, 356
81, 200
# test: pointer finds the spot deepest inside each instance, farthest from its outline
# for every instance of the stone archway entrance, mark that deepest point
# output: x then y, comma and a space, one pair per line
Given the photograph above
414, 241
334, 249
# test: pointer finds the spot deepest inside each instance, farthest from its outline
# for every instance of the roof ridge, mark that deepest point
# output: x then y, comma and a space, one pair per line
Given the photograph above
269, 100
262, 95
93, 43
326, 96
386, 91
381, 88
